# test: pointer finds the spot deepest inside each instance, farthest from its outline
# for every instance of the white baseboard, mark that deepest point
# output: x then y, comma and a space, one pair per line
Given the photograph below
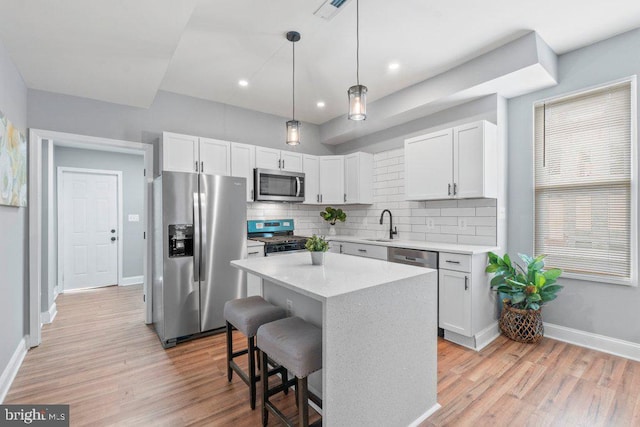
614, 346
487, 335
133, 280
10, 371
56, 292
426, 415
48, 316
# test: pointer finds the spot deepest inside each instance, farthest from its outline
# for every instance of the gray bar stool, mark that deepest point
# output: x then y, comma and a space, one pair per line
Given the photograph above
247, 315
295, 345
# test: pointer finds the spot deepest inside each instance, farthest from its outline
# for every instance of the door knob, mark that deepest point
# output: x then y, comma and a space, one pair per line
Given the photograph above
113, 231
113, 239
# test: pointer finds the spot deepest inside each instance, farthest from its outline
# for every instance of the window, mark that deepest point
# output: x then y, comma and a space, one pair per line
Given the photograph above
583, 184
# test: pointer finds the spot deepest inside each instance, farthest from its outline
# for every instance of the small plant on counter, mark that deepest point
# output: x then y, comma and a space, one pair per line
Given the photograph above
332, 215
316, 244
528, 289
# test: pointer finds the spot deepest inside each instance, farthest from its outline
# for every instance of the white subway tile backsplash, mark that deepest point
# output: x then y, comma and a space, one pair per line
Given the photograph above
436, 221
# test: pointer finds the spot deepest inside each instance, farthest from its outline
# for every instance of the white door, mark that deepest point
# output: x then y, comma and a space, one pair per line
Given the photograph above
454, 302
311, 167
468, 154
215, 157
429, 166
243, 161
291, 162
89, 232
179, 152
332, 180
267, 158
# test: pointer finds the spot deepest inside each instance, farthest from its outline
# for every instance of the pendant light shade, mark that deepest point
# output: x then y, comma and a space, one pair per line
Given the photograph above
358, 93
293, 125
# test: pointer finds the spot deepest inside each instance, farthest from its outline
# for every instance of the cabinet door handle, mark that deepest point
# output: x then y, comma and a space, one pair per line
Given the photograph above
254, 253
452, 262
251, 194
202, 167
196, 166
345, 197
318, 198
340, 248
282, 163
279, 164
321, 198
466, 283
455, 188
362, 250
449, 190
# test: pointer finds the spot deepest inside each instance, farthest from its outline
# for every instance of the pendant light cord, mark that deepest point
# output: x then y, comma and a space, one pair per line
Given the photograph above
293, 81
358, 42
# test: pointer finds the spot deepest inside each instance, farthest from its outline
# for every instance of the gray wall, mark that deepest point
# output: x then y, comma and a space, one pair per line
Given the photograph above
132, 167
169, 112
610, 310
14, 298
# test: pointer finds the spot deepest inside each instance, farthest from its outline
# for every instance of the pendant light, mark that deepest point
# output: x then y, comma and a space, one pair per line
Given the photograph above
358, 93
293, 126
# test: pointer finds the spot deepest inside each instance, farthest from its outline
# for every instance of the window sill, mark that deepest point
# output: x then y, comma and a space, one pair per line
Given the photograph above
599, 279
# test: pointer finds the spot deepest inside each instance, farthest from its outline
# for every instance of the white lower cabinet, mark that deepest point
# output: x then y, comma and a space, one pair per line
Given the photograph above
467, 304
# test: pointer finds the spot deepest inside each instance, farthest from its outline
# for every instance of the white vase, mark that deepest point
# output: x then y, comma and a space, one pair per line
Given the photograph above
317, 258
332, 230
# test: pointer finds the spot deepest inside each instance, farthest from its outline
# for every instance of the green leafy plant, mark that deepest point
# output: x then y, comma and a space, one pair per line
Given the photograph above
316, 244
332, 215
525, 289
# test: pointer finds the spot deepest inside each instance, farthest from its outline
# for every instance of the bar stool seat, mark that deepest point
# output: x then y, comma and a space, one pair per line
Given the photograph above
296, 345
247, 315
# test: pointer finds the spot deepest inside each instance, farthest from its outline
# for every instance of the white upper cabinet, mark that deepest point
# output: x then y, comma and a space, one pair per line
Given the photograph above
186, 153
243, 161
358, 178
311, 168
215, 157
291, 161
459, 162
270, 158
331, 180
179, 152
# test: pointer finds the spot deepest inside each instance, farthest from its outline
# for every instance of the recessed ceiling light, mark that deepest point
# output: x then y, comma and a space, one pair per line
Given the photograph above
394, 66
243, 83
320, 104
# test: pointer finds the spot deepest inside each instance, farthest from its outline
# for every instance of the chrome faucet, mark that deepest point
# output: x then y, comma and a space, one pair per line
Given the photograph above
392, 231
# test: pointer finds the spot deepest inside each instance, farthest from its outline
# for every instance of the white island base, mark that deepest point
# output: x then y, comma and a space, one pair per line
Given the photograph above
379, 332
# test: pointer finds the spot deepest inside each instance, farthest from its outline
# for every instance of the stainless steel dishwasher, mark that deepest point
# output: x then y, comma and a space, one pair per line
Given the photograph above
419, 258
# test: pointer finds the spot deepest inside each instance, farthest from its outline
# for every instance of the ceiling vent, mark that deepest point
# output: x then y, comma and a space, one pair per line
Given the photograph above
330, 8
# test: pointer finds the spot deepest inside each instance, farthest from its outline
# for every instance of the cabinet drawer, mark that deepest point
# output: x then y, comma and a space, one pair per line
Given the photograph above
456, 262
367, 251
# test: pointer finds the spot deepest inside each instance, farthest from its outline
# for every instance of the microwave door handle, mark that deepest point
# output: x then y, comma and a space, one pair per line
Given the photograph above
196, 238
297, 186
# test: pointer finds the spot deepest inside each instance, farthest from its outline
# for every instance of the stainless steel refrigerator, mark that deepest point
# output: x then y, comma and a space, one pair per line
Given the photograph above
200, 225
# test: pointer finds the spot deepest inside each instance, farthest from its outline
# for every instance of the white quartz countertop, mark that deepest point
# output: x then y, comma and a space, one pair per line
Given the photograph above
254, 243
340, 274
411, 244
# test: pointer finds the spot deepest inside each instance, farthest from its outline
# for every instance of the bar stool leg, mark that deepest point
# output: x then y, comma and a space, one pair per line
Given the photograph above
303, 405
252, 371
265, 391
229, 352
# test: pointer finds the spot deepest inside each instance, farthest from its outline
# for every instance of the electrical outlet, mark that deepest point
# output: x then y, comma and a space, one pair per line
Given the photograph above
289, 308
462, 224
431, 224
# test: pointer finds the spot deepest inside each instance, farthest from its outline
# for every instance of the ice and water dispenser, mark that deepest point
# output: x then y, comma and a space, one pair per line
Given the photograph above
180, 240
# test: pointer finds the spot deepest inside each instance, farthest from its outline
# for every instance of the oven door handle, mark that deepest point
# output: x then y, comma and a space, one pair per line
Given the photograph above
297, 186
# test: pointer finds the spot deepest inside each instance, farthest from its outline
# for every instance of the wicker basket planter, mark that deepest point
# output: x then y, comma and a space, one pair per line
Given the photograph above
521, 325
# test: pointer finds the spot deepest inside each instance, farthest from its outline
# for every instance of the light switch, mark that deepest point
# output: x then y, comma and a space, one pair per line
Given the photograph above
134, 218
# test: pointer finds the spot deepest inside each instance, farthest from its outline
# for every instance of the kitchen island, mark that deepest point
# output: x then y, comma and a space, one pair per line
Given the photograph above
379, 329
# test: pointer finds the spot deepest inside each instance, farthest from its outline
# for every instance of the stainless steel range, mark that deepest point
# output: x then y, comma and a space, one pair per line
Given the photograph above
277, 235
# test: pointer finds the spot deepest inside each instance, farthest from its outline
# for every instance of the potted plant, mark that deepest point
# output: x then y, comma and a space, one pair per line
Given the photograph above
317, 246
523, 293
332, 215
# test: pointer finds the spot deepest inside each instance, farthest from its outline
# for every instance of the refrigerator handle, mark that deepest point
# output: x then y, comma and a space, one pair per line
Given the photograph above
196, 238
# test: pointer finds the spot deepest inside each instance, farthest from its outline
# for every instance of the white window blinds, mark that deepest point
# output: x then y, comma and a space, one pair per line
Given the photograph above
583, 182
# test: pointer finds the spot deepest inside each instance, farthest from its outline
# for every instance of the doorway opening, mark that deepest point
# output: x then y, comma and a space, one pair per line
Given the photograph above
101, 236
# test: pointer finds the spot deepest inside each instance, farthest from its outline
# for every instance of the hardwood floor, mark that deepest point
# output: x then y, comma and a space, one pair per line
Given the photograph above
100, 358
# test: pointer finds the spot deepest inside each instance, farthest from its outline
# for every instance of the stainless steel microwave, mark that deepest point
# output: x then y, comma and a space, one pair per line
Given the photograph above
278, 186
